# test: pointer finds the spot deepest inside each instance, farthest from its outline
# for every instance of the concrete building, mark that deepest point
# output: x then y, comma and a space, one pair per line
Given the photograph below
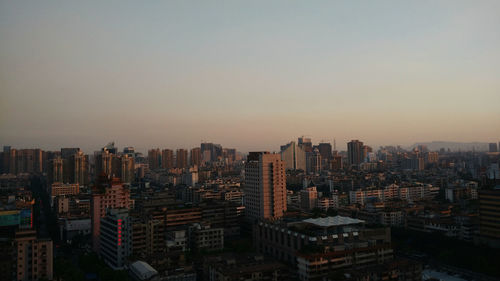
127, 169
106, 194
204, 237
250, 268
58, 188
195, 157
308, 198
313, 161
355, 152
34, 256
265, 186
69, 228
305, 144
104, 162
55, 171
293, 156
115, 238
489, 212
167, 159
154, 159
77, 167
181, 159
318, 247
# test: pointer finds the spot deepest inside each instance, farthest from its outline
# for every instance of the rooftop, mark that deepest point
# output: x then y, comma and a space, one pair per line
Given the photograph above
143, 270
333, 221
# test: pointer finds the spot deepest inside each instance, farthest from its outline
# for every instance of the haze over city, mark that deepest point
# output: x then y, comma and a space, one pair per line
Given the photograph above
247, 75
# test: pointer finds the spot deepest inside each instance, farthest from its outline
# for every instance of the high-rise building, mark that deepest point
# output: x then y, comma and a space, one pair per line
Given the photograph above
293, 156
314, 161
12, 161
489, 212
56, 170
305, 144
211, 152
129, 150
106, 194
308, 198
195, 156
67, 152
336, 163
115, 243
167, 159
366, 151
154, 158
181, 158
229, 155
127, 169
355, 152
34, 256
493, 147
5, 159
104, 163
77, 168
265, 186
37, 160
325, 149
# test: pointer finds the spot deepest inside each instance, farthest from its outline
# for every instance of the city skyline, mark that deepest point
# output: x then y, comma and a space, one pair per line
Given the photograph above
274, 147
248, 74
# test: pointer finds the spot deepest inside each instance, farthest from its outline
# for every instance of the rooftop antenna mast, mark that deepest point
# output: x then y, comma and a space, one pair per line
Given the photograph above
334, 145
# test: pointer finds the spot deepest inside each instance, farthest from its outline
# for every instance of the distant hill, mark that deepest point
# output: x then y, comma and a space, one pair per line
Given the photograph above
454, 146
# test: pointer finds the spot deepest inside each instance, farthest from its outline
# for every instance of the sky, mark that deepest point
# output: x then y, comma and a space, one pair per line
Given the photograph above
247, 74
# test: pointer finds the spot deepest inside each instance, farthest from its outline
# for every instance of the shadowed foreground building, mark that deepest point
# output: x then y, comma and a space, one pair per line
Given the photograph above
244, 267
489, 217
34, 256
322, 246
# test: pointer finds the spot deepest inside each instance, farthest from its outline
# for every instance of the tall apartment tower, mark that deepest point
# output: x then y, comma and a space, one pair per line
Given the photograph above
355, 152
104, 163
210, 152
314, 162
106, 194
78, 168
167, 159
325, 149
265, 186
196, 156
305, 143
127, 169
181, 158
12, 160
294, 156
154, 158
55, 171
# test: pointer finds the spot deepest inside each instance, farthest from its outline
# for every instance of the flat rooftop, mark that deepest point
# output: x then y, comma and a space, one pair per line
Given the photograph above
333, 221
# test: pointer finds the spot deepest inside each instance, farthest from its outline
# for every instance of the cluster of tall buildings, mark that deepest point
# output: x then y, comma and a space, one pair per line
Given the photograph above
144, 213
310, 158
196, 157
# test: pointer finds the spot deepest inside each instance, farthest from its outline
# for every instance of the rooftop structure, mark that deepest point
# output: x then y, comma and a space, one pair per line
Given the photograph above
142, 271
333, 221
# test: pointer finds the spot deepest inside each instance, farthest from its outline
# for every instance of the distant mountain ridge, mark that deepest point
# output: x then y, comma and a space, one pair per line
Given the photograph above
454, 146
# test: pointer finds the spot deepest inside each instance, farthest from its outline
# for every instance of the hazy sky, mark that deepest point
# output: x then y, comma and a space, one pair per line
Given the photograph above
247, 74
